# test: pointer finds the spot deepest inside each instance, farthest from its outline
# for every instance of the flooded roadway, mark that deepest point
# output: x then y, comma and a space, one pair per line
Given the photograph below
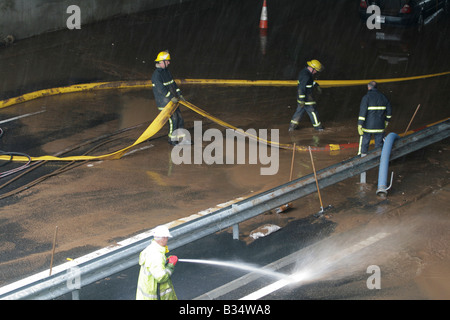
98, 203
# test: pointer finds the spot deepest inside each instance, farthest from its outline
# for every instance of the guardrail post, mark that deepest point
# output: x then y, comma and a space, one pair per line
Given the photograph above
362, 176
236, 231
76, 295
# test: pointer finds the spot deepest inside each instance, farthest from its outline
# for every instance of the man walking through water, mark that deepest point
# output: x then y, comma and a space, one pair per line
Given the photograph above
305, 100
165, 89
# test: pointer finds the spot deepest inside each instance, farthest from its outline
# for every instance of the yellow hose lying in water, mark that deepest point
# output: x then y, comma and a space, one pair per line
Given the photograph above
227, 125
151, 130
138, 84
322, 83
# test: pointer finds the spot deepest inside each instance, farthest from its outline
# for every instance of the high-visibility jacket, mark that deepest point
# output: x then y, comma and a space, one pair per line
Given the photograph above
154, 281
305, 87
374, 112
164, 87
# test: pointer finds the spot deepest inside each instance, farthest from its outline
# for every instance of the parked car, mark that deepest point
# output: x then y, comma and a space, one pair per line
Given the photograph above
404, 12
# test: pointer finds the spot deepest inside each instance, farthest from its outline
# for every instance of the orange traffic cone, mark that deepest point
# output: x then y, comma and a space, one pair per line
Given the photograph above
263, 28
263, 20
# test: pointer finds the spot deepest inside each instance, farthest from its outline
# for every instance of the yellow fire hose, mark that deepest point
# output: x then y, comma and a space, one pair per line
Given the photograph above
165, 114
285, 83
136, 84
152, 129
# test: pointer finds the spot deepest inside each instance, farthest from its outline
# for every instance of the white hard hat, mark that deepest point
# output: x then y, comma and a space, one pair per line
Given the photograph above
161, 232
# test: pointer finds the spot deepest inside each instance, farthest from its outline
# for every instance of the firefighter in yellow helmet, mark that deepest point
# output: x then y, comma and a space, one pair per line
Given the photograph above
305, 100
154, 281
165, 89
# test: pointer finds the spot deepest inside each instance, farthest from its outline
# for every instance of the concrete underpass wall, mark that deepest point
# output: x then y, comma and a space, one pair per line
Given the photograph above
26, 18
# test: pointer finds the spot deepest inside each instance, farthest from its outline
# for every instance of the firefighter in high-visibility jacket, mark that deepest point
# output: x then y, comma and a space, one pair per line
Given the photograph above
305, 100
375, 112
154, 281
165, 89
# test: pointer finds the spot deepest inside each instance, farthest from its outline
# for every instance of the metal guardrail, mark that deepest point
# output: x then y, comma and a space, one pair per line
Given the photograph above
126, 256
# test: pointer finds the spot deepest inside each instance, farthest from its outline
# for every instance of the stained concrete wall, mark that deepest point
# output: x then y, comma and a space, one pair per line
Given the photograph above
26, 18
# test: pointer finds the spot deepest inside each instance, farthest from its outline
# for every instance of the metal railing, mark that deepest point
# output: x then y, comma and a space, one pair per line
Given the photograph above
126, 256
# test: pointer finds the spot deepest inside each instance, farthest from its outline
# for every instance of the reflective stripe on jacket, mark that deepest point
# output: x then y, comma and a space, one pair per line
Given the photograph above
374, 110
164, 87
154, 281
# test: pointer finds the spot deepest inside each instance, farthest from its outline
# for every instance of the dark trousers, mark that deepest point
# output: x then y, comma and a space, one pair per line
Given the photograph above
364, 141
176, 121
312, 113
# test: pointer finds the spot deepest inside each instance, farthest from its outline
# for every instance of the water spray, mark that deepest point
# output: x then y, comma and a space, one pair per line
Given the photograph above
330, 259
320, 265
239, 265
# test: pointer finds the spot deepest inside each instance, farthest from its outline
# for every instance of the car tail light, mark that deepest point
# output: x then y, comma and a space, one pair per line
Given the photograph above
406, 9
363, 4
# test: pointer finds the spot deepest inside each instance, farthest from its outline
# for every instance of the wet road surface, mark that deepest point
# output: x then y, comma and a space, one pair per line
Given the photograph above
98, 203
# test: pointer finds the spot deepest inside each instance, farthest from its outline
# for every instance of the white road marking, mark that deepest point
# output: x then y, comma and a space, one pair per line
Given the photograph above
22, 116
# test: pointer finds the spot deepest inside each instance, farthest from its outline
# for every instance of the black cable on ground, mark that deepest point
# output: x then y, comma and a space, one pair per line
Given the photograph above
65, 168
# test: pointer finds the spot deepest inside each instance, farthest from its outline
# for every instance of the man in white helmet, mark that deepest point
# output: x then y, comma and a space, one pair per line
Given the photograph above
154, 281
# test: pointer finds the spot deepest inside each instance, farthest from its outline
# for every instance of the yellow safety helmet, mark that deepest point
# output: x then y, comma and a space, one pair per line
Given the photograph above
316, 65
163, 56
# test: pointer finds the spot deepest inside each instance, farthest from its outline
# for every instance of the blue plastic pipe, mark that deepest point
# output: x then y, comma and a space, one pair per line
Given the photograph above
384, 163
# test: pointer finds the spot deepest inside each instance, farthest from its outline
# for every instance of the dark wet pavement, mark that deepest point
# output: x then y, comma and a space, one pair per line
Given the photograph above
96, 204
